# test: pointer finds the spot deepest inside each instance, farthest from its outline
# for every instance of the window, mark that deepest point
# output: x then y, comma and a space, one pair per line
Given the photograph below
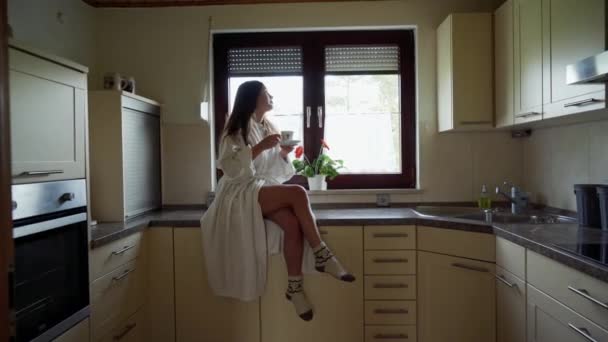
355, 89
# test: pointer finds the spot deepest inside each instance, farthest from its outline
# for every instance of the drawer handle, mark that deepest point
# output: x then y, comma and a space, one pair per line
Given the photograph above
585, 294
391, 311
323, 232
40, 173
584, 332
390, 260
124, 249
504, 280
582, 103
527, 114
390, 337
475, 122
390, 286
123, 275
390, 235
124, 333
470, 268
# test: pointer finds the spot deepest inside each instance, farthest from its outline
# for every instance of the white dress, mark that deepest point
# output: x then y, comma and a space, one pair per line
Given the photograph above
236, 238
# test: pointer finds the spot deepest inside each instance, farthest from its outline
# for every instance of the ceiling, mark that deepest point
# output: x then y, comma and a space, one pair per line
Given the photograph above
166, 3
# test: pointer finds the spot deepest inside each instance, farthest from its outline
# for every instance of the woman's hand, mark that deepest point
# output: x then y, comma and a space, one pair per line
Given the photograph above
266, 143
285, 150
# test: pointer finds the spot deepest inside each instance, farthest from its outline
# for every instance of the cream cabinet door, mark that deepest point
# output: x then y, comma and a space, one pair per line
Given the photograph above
551, 321
510, 307
456, 299
576, 31
503, 64
48, 111
199, 314
528, 52
79, 333
338, 306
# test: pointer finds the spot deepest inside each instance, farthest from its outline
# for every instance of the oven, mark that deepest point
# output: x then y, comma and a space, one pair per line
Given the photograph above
51, 282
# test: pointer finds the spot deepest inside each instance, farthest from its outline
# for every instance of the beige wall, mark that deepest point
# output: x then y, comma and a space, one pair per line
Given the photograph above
557, 158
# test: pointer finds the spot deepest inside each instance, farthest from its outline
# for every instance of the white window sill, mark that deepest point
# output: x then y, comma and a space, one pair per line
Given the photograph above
333, 192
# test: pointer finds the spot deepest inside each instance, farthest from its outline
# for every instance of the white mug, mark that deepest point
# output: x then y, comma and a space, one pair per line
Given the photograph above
286, 135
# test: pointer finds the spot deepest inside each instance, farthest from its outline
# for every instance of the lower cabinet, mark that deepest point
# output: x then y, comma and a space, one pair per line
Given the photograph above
338, 306
510, 307
551, 321
200, 315
456, 299
131, 330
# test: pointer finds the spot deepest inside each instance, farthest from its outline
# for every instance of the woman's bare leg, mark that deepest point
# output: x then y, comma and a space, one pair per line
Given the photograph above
292, 239
275, 197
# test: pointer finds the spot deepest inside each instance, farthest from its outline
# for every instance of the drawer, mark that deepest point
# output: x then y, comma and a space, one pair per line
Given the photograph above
582, 293
511, 257
390, 262
390, 312
479, 246
398, 333
116, 296
390, 237
129, 330
390, 287
108, 257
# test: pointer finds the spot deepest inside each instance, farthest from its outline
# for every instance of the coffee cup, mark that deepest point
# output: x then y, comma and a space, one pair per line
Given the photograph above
286, 136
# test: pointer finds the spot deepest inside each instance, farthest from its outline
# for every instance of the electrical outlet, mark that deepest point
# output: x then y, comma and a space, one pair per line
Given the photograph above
383, 200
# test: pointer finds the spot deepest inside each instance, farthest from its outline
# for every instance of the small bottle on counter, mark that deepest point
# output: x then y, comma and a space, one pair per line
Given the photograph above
484, 201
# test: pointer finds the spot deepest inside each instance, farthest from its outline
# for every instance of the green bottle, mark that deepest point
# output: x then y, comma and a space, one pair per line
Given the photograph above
484, 201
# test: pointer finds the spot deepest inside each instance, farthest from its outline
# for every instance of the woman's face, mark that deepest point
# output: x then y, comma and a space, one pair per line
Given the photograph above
264, 103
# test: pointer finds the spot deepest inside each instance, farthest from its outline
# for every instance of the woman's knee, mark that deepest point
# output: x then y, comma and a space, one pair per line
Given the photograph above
298, 193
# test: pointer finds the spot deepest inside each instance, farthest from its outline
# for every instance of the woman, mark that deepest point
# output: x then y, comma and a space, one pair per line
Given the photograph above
250, 191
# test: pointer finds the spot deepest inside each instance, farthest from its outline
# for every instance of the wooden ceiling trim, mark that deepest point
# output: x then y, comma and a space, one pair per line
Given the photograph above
172, 3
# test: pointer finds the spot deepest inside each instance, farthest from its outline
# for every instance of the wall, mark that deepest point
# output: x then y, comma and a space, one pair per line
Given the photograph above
166, 49
556, 158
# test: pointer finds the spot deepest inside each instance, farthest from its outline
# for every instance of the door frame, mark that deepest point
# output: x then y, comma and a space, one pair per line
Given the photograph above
6, 241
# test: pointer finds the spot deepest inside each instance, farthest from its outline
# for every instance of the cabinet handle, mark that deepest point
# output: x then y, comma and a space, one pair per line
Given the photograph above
471, 268
390, 286
582, 103
585, 294
323, 232
124, 249
390, 260
475, 122
504, 280
390, 235
124, 333
320, 116
308, 113
390, 337
391, 311
123, 275
527, 114
40, 173
584, 332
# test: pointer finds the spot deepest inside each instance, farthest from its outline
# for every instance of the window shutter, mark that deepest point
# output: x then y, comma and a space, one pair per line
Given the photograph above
265, 61
355, 59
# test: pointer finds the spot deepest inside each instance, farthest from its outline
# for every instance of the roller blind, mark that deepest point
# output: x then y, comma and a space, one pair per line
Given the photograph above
353, 59
265, 61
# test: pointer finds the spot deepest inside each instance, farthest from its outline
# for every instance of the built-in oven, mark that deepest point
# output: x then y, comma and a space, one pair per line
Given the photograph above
51, 286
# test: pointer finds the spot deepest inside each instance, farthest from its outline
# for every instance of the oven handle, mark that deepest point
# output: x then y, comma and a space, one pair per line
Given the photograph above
48, 225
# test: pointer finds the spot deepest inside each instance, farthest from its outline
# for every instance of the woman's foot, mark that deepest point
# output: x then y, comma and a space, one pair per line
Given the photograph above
295, 294
326, 262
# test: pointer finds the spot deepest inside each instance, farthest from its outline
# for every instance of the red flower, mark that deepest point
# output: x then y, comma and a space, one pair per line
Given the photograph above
299, 151
324, 144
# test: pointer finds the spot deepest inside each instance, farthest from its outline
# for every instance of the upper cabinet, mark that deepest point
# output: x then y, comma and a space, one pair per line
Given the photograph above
464, 72
503, 64
48, 111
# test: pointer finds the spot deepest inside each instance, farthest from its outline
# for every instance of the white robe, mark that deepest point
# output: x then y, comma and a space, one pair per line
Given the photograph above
236, 238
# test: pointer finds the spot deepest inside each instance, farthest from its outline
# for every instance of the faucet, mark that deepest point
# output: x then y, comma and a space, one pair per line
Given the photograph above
518, 198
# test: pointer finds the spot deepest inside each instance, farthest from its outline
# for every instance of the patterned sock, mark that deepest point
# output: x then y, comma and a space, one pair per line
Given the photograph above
326, 262
295, 294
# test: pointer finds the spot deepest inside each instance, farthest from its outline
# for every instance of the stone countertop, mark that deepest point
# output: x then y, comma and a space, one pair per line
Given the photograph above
538, 238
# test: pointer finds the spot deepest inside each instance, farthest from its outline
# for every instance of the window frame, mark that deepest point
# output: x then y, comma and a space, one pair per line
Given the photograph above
313, 45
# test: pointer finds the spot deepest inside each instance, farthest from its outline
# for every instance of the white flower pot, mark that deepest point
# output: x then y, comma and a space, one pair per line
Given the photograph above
317, 183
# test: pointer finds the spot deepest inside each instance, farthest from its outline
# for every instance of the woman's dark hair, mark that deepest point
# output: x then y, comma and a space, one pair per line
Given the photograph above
244, 105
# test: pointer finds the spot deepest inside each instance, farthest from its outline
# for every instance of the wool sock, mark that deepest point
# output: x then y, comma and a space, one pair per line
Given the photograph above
295, 294
326, 261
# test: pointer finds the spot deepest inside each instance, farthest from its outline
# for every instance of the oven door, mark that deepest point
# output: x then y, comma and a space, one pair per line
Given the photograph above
51, 275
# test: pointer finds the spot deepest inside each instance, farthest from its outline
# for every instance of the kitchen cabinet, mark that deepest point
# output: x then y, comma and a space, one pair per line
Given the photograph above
199, 314
503, 65
48, 110
338, 306
131, 330
125, 155
456, 299
78, 333
464, 72
510, 307
572, 30
528, 66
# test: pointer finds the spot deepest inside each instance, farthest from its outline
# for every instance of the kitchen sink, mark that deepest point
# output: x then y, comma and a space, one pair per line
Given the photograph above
475, 214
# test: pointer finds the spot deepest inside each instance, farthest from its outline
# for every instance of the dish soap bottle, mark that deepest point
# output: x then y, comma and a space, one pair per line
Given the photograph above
484, 201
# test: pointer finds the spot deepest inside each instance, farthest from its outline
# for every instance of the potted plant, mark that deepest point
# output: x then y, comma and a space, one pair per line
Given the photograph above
322, 167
